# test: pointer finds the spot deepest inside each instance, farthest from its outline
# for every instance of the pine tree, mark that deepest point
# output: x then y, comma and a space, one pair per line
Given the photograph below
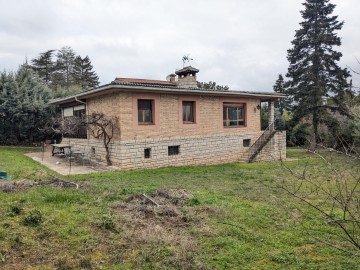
83, 73
314, 73
44, 65
64, 66
284, 103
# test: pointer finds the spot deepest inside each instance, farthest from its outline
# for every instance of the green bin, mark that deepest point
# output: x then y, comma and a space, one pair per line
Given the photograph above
4, 175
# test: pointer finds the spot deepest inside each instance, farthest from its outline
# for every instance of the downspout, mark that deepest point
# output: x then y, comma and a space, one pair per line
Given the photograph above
86, 113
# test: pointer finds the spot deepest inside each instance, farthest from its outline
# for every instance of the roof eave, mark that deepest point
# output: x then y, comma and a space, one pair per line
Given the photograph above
114, 87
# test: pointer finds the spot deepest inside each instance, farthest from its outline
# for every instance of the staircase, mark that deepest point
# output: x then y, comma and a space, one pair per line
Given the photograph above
259, 144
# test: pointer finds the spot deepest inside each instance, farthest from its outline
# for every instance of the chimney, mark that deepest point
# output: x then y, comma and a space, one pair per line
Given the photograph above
171, 78
187, 77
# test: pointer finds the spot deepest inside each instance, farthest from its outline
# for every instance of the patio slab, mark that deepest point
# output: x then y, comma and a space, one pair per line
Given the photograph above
62, 166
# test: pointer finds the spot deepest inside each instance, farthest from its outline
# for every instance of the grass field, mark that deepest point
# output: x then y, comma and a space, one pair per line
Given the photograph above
237, 217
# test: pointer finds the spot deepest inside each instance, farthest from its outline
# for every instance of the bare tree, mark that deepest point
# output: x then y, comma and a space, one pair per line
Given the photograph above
333, 190
59, 126
103, 127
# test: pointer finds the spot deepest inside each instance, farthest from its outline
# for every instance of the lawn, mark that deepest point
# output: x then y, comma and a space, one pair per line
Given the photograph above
235, 216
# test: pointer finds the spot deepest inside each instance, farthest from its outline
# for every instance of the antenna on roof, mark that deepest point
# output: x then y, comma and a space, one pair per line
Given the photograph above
186, 58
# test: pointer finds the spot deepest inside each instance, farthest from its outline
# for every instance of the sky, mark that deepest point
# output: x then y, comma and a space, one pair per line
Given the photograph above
239, 43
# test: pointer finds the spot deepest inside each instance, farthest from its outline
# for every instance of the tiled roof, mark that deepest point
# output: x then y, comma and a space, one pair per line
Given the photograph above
133, 81
121, 84
153, 83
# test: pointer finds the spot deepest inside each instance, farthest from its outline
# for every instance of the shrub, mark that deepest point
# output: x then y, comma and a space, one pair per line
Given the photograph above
193, 202
15, 209
34, 218
107, 222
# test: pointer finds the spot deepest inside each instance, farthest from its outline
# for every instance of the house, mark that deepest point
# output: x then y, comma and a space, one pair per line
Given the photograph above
175, 123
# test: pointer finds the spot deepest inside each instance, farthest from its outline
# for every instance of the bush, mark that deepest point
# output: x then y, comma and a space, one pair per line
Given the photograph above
34, 218
107, 222
193, 202
15, 209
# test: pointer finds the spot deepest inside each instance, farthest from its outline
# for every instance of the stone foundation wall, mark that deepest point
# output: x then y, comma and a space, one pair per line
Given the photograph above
195, 150
275, 149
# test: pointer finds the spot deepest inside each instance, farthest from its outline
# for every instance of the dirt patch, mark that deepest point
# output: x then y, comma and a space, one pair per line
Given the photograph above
16, 186
161, 205
162, 221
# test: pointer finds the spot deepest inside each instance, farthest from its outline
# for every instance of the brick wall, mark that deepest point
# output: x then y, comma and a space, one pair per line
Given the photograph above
210, 123
207, 142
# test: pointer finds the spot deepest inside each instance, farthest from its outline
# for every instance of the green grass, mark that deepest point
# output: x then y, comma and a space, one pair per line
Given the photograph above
239, 218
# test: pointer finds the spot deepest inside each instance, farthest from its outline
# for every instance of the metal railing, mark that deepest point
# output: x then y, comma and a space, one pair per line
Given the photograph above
259, 144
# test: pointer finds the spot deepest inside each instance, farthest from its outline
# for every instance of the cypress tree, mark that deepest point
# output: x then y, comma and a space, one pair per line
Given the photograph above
314, 73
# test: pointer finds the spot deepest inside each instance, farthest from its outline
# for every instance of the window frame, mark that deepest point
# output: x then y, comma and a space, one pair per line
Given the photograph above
151, 122
237, 105
193, 112
155, 111
246, 142
147, 153
173, 150
196, 111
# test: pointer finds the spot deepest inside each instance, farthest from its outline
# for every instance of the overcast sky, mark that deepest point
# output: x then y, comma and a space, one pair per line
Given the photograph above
239, 43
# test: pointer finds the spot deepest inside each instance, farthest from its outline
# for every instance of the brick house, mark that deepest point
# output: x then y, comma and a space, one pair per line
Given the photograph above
175, 123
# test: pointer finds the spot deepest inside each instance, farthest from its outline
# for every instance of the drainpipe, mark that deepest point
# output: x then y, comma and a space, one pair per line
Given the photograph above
76, 99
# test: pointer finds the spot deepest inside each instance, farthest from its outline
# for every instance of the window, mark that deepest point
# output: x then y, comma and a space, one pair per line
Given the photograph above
68, 111
79, 111
70, 114
234, 115
246, 142
74, 111
173, 150
145, 111
147, 152
188, 112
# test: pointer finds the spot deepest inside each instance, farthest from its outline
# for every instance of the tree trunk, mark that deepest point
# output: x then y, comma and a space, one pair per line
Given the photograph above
312, 147
107, 156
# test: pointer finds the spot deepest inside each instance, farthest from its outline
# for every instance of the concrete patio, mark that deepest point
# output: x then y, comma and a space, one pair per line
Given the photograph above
62, 166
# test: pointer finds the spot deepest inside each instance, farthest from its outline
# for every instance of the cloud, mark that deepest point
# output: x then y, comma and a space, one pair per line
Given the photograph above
238, 43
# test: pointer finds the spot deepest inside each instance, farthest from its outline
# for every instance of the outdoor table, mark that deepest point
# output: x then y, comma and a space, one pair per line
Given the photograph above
61, 148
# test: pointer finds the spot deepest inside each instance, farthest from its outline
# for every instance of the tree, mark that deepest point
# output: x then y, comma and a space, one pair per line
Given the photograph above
33, 95
65, 66
332, 189
103, 127
62, 91
212, 86
83, 73
23, 106
9, 108
44, 66
284, 103
314, 73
